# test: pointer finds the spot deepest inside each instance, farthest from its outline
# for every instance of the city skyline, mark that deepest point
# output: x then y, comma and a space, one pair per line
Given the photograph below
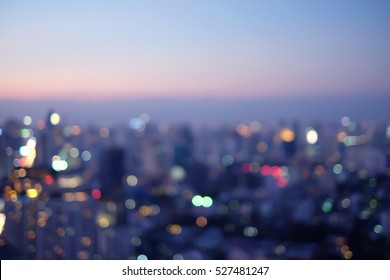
205, 130
95, 51
202, 111
145, 191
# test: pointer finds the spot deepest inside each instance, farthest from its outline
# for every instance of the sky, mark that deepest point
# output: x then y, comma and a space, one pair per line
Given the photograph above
98, 50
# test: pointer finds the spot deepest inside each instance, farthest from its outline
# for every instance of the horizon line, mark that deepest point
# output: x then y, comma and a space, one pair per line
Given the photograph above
227, 97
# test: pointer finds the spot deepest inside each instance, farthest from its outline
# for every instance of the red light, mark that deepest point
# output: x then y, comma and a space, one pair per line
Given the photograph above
246, 167
96, 194
281, 183
265, 170
275, 171
48, 179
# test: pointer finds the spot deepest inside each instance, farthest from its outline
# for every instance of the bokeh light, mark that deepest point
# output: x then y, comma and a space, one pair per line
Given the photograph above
132, 180
55, 119
311, 136
287, 135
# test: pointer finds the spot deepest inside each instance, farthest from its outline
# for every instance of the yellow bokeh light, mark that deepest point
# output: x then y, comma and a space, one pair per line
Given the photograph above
13, 195
174, 229
41, 222
348, 255
243, 130
287, 135
28, 161
22, 173
32, 193
55, 119
145, 211
132, 180
2, 222
104, 220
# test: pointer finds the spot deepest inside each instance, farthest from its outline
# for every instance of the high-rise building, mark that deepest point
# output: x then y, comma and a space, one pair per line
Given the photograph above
112, 172
111, 180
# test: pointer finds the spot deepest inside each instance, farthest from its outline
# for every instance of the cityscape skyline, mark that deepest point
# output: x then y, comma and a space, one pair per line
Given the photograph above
145, 190
194, 129
203, 111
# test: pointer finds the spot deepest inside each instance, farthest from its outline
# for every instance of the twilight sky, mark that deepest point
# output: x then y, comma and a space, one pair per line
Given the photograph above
94, 50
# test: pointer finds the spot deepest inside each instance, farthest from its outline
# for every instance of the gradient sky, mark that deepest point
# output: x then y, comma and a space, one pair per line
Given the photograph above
92, 50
